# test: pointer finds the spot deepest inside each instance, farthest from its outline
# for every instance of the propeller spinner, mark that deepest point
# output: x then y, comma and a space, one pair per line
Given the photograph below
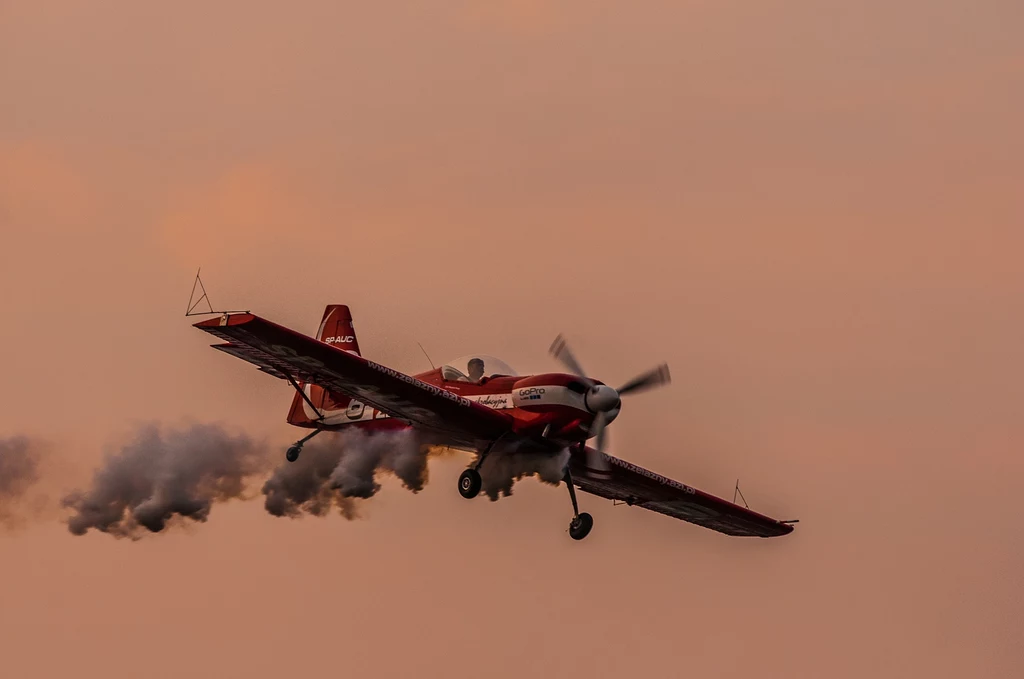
603, 400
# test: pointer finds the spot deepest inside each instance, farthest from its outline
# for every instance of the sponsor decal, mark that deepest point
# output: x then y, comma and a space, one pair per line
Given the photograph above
649, 474
382, 401
346, 339
531, 393
436, 391
494, 400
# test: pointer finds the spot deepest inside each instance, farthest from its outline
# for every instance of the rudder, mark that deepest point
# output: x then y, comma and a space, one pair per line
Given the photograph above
336, 328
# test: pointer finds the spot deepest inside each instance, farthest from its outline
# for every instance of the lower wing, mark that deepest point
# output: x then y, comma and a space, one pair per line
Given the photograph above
637, 486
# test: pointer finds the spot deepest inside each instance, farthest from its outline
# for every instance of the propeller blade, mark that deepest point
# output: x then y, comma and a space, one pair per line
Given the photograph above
560, 350
595, 457
653, 378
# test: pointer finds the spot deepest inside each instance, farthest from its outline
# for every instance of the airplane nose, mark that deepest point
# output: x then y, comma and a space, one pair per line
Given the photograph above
601, 398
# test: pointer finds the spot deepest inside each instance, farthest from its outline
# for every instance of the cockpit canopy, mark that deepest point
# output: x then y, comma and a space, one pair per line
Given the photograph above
475, 367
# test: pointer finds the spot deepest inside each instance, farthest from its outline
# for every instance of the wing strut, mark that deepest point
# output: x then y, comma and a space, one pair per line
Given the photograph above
302, 393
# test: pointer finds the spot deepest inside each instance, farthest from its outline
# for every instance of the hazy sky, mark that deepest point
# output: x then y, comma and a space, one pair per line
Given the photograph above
811, 210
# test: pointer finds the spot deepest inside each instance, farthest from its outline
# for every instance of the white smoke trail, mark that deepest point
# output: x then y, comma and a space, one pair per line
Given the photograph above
302, 487
500, 471
399, 452
160, 476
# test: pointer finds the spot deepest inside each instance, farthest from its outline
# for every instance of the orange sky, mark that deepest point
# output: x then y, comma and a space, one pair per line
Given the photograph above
811, 210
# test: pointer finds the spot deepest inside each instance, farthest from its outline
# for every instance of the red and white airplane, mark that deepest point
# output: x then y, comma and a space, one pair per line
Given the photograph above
478, 404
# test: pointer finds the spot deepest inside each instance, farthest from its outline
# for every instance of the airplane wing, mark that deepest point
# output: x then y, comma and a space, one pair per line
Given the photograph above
637, 486
287, 354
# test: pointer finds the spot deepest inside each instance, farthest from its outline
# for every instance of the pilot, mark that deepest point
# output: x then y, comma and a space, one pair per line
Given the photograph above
476, 370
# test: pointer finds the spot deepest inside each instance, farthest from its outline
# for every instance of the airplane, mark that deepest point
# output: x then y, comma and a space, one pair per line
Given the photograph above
479, 404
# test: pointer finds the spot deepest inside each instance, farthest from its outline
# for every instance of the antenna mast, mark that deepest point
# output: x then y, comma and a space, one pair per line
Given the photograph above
425, 354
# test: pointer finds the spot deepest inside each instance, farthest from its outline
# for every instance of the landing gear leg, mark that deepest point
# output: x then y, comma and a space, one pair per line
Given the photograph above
484, 454
293, 452
581, 524
470, 482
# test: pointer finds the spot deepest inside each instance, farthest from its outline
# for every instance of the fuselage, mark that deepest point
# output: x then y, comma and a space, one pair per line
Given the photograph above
550, 404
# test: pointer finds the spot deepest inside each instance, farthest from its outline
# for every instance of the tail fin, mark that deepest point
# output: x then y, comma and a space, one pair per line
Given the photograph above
336, 328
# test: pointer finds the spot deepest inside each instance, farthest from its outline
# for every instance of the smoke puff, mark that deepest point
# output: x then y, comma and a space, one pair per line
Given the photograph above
159, 476
500, 471
19, 469
303, 485
397, 452
336, 469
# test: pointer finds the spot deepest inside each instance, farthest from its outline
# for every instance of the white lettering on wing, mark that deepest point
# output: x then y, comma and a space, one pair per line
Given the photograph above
436, 391
651, 475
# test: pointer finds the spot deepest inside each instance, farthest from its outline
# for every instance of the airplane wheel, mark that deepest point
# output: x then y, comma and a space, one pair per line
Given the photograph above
470, 483
293, 453
580, 526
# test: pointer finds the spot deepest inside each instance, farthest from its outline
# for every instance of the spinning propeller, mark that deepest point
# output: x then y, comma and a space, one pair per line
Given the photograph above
604, 401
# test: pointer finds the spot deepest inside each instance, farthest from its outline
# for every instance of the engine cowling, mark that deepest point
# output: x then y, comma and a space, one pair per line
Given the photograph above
557, 391
542, 393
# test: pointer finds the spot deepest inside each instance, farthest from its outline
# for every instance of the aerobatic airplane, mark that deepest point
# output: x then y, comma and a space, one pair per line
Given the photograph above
479, 404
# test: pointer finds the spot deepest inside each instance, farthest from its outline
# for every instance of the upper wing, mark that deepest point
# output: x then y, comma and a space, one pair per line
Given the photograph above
637, 486
285, 353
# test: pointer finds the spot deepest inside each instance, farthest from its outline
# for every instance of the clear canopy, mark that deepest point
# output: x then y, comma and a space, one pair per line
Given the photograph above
474, 367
